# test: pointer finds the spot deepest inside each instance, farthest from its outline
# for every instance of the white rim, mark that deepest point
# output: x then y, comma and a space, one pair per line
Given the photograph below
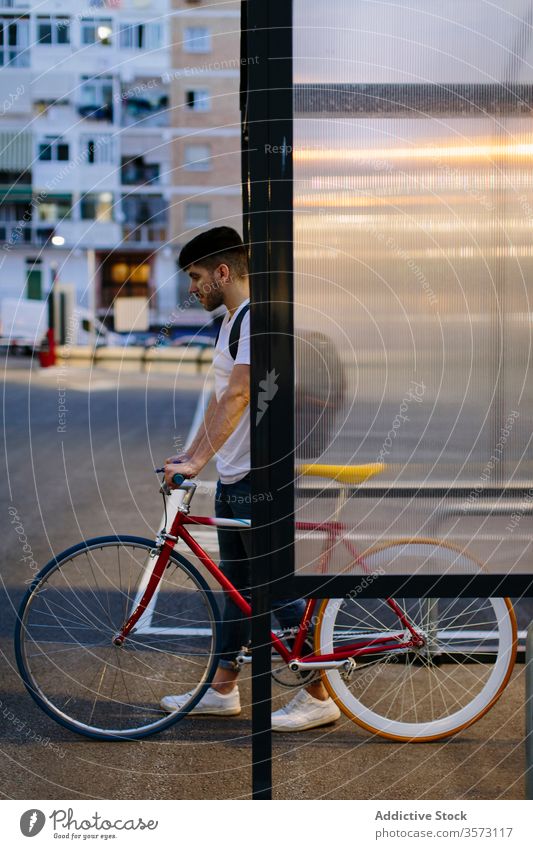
445, 725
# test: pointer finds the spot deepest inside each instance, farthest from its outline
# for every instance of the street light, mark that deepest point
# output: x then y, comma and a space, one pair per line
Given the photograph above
104, 33
58, 241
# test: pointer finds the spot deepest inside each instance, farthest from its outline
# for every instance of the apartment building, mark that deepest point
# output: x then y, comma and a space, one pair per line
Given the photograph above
205, 117
119, 140
86, 151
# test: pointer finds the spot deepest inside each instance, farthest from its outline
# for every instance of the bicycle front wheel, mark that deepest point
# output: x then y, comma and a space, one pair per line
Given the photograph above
64, 639
429, 693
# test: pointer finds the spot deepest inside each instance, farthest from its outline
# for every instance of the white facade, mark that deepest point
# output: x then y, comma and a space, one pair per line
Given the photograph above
85, 115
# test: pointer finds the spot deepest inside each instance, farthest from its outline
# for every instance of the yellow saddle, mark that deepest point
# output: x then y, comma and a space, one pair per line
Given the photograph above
345, 474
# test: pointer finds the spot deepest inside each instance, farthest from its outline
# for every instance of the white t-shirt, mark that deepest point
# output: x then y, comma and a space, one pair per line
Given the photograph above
233, 459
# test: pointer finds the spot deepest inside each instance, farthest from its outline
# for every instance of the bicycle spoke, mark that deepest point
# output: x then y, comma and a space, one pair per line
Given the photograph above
77, 623
98, 691
69, 653
423, 691
108, 612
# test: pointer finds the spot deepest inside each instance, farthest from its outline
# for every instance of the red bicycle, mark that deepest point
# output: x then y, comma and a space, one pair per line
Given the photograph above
113, 624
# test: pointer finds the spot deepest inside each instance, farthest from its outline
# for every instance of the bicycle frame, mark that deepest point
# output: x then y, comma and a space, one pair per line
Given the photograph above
396, 642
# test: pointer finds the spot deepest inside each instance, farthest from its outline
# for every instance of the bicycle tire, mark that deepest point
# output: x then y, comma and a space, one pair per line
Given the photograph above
72, 614
372, 706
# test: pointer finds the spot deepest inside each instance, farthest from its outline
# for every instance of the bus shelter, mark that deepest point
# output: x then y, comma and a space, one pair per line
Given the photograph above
388, 192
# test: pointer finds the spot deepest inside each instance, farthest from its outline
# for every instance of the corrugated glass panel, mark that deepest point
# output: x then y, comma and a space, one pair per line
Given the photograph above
413, 224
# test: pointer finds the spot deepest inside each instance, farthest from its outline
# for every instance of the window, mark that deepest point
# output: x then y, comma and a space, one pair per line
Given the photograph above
124, 275
198, 100
55, 208
196, 40
97, 90
145, 101
144, 209
197, 157
96, 98
97, 207
53, 29
197, 214
16, 210
53, 149
121, 272
97, 149
135, 171
139, 36
23, 177
145, 218
97, 31
14, 42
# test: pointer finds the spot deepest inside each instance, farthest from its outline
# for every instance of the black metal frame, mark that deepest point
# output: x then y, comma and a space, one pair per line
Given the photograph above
267, 105
267, 193
268, 215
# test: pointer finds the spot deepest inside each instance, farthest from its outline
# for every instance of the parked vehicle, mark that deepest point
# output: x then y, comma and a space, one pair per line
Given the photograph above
23, 324
82, 332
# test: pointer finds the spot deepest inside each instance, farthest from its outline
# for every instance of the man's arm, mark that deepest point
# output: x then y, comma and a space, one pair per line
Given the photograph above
200, 434
224, 419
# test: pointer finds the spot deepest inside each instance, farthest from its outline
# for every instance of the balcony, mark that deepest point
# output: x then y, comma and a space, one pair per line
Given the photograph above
16, 92
100, 235
144, 234
19, 224
19, 233
53, 111
136, 172
14, 57
145, 219
96, 111
145, 105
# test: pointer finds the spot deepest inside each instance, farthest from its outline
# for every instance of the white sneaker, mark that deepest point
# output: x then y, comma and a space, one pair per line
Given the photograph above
304, 711
213, 703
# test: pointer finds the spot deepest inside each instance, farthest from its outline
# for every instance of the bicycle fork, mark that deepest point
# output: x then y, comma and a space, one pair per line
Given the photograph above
417, 640
153, 582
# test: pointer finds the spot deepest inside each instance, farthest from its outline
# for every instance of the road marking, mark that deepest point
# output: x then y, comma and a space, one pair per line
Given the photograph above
144, 625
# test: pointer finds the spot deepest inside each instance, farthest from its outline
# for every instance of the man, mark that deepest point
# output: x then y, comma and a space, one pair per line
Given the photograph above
216, 262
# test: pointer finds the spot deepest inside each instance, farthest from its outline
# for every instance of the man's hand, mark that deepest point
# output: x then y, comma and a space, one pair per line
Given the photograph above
184, 457
187, 469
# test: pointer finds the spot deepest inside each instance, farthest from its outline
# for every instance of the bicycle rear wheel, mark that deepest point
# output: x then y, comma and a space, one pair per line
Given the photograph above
64, 639
429, 693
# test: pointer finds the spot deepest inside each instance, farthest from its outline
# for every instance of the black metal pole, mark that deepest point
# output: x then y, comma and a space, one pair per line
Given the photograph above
529, 713
267, 192
254, 102
266, 102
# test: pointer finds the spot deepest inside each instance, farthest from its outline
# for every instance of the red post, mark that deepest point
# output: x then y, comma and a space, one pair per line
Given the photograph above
47, 355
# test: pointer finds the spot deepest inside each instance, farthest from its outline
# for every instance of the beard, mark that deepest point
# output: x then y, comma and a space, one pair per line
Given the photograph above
212, 299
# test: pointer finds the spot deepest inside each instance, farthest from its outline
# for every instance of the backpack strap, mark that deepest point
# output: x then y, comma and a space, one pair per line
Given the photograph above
235, 332
218, 333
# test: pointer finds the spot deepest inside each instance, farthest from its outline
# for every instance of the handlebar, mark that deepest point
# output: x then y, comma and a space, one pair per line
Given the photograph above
177, 479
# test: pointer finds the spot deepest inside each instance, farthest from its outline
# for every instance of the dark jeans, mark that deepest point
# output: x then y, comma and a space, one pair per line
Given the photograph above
234, 501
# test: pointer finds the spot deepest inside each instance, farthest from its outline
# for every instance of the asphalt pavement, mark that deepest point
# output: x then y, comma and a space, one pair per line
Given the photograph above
79, 449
